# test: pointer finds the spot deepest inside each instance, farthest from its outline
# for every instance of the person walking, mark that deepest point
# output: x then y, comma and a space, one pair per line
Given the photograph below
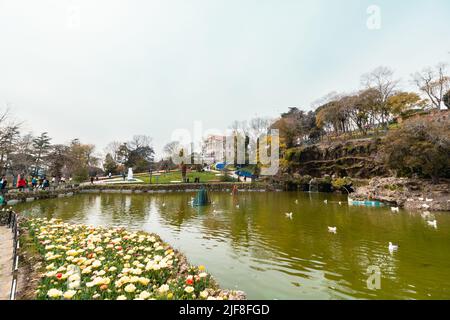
33, 182
45, 184
3, 185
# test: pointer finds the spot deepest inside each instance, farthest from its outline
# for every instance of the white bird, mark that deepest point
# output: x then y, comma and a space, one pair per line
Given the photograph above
432, 224
296, 201
392, 247
340, 203
395, 209
332, 229
429, 200
420, 199
237, 206
289, 215
163, 204
325, 201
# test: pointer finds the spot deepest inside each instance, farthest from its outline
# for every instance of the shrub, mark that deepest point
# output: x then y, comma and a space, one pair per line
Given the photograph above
419, 147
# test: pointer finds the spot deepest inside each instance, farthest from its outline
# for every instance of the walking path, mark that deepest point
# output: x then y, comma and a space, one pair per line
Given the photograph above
6, 261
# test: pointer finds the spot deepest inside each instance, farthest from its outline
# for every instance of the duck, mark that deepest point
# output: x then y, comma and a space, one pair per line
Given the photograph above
392, 247
432, 224
332, 229
289, 215
395, 209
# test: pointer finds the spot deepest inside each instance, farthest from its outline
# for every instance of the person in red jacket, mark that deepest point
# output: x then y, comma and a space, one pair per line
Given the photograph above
21, 183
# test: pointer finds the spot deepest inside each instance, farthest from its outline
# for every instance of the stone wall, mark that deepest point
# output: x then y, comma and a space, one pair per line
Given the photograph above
14, 196
185, 187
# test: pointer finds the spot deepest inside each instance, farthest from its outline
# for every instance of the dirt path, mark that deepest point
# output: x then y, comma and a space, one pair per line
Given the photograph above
6, 260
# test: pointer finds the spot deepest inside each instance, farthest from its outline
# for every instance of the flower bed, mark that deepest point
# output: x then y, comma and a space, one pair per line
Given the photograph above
84, 262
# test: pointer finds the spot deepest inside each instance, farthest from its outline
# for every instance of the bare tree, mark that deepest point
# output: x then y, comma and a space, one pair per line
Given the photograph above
171, 148
140, 141
382, 81
434, 82
113, 149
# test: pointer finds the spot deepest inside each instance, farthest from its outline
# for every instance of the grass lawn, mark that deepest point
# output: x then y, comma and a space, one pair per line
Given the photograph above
176, 176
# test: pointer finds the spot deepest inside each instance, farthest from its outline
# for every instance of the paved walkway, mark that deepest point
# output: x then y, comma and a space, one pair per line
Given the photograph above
6, 261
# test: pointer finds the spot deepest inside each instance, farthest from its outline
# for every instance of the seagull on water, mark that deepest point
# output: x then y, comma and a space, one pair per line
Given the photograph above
392, 247
432, 223
395, 209
332, 229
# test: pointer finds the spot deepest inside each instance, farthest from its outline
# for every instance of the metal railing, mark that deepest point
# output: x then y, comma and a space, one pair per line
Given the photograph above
10, 219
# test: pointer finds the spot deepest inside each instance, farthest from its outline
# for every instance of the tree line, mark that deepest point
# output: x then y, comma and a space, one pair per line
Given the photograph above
36, 156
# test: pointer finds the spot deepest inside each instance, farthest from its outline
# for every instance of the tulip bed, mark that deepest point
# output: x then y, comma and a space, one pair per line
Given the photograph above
84, 262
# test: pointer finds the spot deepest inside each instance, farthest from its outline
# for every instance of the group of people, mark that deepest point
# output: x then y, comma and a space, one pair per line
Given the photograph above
36, 183
23, 183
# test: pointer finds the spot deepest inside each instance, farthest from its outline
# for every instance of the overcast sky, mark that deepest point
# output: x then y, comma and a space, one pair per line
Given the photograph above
105, 70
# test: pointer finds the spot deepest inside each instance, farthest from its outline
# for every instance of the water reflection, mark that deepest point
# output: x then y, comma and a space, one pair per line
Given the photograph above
247, 241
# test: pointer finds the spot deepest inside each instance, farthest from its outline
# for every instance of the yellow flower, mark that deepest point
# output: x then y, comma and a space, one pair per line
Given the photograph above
69, 294
144, 281
130, 288
204, 294
144, 295
164, 288
54, 293
96, 264
170, 295
201, 268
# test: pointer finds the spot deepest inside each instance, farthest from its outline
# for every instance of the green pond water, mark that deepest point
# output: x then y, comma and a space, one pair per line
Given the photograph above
256, 248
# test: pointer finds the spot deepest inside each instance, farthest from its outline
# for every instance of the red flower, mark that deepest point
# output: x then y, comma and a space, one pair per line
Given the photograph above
189, 281
59, 275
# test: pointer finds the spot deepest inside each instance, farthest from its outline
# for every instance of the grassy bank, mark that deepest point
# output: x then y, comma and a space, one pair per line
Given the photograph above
170, 177
83, 263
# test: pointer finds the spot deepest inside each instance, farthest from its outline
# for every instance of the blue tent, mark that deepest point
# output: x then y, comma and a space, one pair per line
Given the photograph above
221, 165
243, 173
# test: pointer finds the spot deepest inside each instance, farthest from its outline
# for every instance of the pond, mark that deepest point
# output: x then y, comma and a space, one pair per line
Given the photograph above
249, 243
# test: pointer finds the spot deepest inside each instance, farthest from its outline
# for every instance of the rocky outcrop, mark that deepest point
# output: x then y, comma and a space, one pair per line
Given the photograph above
412, 194
352, 158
